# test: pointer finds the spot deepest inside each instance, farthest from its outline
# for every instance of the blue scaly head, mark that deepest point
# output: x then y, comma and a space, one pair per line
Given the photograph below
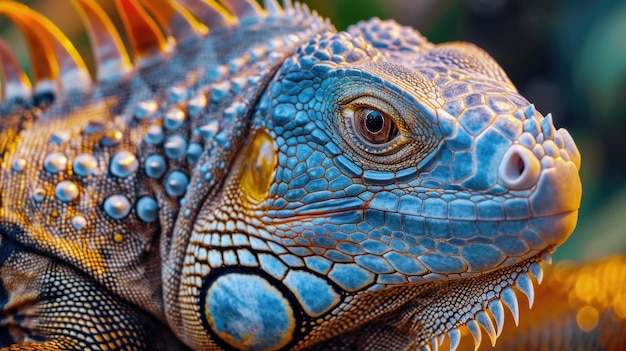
381, 170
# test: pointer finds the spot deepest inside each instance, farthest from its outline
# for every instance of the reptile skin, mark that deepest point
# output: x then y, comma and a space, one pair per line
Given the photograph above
255, 180
577, 307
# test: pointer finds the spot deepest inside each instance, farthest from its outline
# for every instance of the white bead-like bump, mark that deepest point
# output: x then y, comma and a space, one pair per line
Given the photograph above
85, 165
219, 91
123, 164
147, 209
176, 94
79, 222
39, 194
238, 83
19, 165
174, 118
176, 183
155, 166
66, 191
154, 135
209, 130
215, 72
194, 151
146, 109
55, 162
117, 206
196, 105
175, 146
111, 137
234, 110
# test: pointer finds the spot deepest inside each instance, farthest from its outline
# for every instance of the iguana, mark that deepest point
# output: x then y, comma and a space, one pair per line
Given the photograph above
256, 180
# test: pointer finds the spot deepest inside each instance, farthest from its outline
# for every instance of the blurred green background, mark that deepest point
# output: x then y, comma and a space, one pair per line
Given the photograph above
568, 57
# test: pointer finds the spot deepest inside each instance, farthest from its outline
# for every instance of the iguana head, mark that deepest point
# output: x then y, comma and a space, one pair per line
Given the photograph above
381, 170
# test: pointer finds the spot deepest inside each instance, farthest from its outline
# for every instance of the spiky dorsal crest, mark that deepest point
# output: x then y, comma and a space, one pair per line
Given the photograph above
154, 29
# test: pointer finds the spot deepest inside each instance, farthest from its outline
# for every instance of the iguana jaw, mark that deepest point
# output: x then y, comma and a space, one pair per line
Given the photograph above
479, 300
425, 313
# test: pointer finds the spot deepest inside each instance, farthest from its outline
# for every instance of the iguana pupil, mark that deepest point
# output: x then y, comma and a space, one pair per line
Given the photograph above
374, 121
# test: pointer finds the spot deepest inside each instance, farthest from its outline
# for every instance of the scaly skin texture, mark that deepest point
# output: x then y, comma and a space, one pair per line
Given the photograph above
272, 184
577, 307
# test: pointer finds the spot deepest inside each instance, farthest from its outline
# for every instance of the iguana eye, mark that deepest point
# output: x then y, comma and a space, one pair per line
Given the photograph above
374, 127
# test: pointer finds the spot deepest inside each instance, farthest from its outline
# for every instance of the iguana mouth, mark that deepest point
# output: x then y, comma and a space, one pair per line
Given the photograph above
485, 309
324, 213
438, 313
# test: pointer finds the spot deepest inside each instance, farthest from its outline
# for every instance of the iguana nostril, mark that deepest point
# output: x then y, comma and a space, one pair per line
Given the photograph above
519, 168
515, 166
